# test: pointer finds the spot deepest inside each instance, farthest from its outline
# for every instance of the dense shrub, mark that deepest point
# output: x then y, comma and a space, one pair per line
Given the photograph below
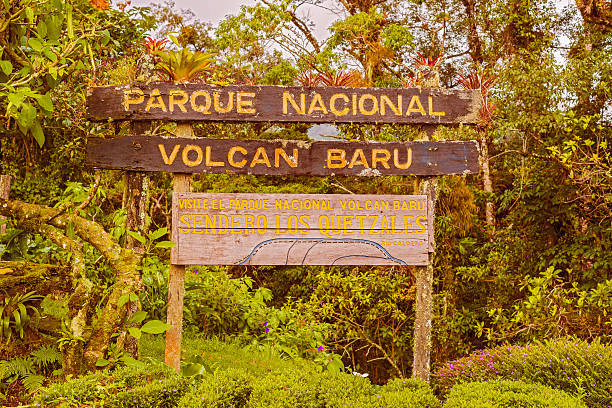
575, 366
304, 389
153, 385
509, 394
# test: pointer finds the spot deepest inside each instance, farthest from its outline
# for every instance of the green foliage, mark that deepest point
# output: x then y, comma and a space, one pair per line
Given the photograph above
222, 306
574, 366
151, 385
31, 371
183, 65
509, 394
14, 314
304, 388
55, 42
368, 307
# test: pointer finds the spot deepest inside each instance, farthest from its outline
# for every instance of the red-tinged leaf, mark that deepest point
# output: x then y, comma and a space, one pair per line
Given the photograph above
100, 4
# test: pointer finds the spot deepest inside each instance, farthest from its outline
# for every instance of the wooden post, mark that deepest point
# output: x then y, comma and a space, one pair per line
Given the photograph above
424, 285
5, 188
176, 282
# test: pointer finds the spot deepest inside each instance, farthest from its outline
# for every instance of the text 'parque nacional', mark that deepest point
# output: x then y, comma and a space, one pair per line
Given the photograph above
283, 104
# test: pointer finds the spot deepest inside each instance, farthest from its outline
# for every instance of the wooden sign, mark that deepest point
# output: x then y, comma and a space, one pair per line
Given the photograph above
246, 103
300, 229
180, 155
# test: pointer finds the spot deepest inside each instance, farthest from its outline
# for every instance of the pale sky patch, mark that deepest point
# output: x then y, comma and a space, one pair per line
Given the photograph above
214, 11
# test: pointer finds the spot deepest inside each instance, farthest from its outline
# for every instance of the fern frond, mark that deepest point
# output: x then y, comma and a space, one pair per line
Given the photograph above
32, 382
20, 367
46, 356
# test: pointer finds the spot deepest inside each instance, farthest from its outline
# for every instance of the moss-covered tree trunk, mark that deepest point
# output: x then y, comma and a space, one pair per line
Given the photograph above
90, 338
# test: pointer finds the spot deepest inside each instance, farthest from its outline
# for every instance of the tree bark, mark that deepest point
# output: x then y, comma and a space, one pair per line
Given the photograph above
487, 183
475, 45
5, 188
136, 204
88, 342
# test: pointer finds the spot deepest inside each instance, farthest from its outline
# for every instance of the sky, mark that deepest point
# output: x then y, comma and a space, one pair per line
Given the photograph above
213, 11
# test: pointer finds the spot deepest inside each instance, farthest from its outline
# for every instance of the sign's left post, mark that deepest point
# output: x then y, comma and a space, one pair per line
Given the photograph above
176, 282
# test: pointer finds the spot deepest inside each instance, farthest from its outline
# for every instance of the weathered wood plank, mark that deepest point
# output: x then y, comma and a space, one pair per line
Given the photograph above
300, 229
179, 155
246, 103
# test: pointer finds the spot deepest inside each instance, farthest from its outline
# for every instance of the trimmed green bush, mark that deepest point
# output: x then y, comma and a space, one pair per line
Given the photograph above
297, 388
224, 389
153, 385
509, 394
575, 366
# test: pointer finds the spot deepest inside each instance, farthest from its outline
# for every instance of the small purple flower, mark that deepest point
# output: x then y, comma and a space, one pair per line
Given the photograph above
320, 348
195, 271
266, 327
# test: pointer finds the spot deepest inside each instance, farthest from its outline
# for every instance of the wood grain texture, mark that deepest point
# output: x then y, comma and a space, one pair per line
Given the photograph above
181, 183
246, 103
300, 229
283, 157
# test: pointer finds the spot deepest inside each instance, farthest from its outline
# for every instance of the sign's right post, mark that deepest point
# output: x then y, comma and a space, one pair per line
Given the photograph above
424, 283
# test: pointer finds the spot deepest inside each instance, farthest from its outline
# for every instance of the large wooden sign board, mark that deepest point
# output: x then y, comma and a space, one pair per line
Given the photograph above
245, 229
244, 103
283, 157
300, 229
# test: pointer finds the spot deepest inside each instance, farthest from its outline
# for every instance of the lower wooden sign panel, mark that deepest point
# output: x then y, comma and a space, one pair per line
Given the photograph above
300, 229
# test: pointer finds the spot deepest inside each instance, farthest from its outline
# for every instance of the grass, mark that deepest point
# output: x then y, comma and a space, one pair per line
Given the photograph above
221, 355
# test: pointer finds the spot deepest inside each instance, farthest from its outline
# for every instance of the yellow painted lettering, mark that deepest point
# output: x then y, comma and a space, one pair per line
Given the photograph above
396, 161
431, 109
332, 104
419, 220
362, 108
185, 220
210, 223
419, 107
197, 221
187, 160
260, 157
232, 152
384, 100
133, 96
203, 109
244, 105
377, 159
287, 97
168, 160
184, 97
228, 106
155, 101
317, 105
209, 161
336, 158
292, 161
359, 159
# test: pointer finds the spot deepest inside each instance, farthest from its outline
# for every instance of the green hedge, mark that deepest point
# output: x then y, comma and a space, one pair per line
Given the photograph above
574, 366
305, 389
153, 385
509, 394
